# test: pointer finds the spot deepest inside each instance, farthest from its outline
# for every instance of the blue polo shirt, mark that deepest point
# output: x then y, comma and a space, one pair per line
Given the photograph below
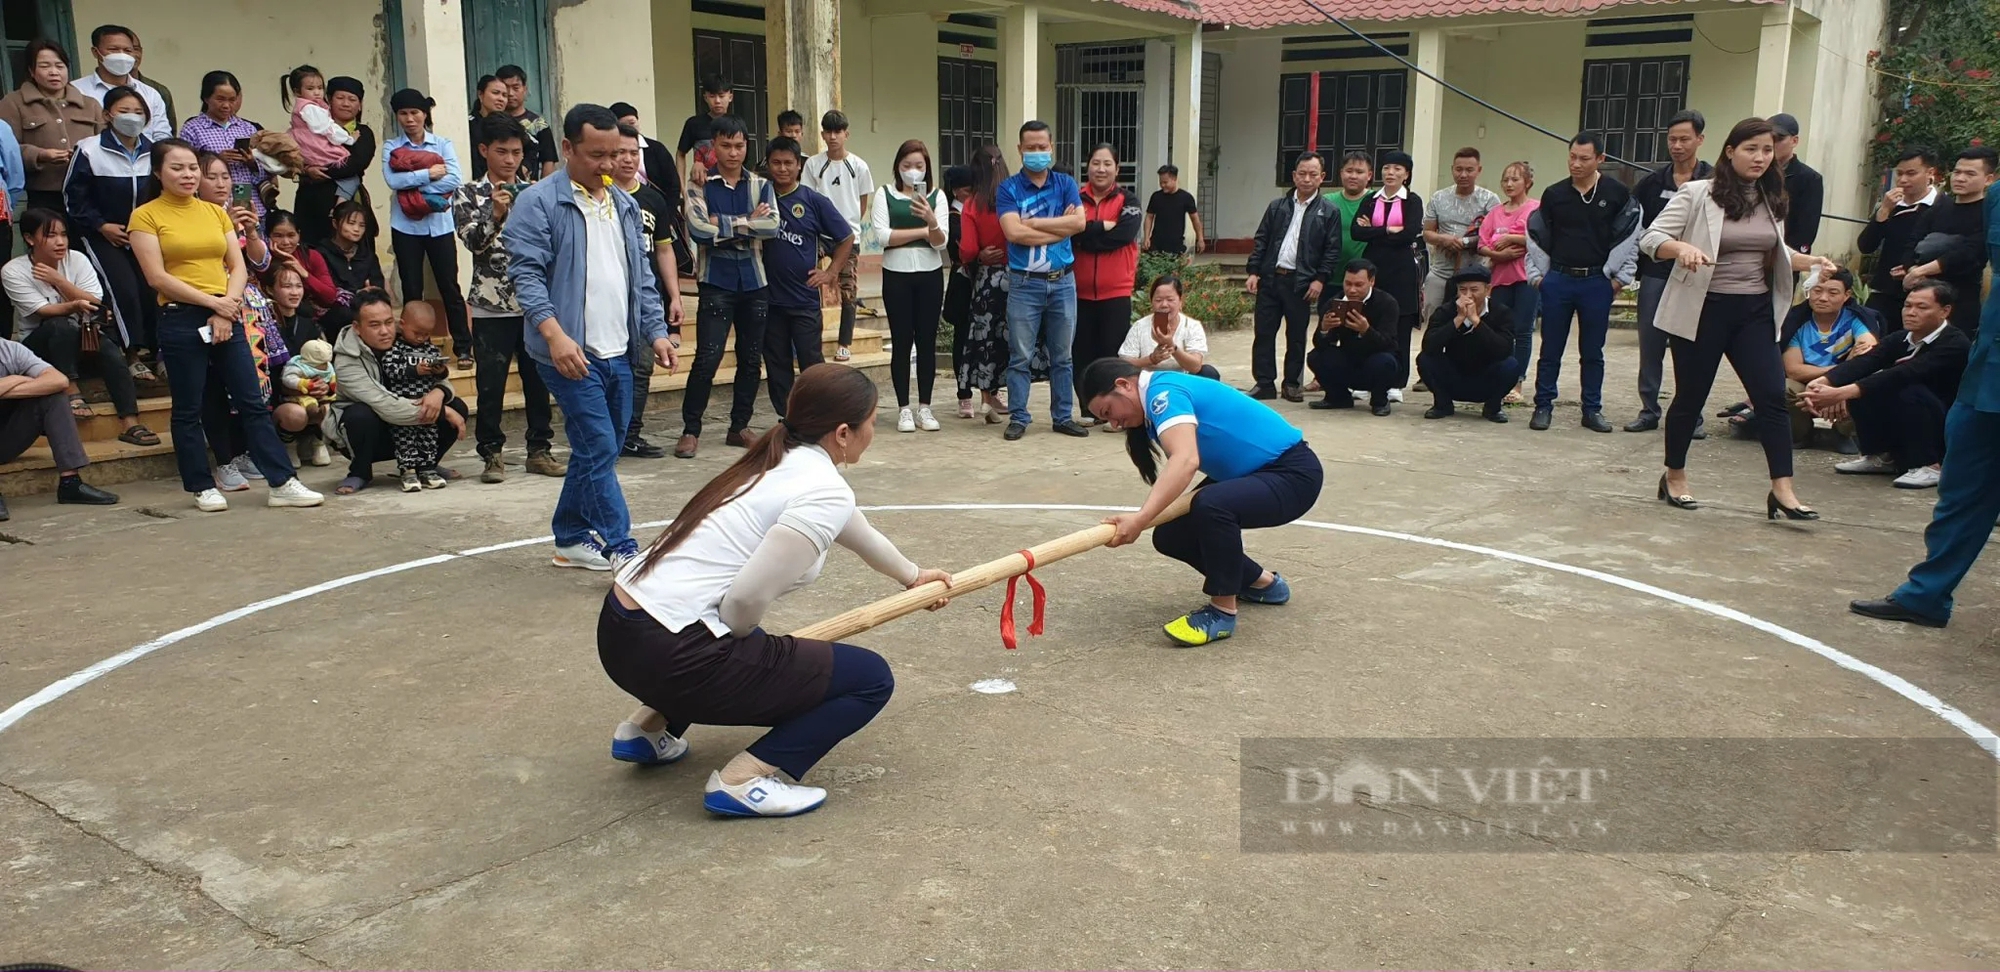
1237, 434
1056, 194
805, 220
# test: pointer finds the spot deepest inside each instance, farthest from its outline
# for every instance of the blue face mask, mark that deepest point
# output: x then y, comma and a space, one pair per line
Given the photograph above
1037, 161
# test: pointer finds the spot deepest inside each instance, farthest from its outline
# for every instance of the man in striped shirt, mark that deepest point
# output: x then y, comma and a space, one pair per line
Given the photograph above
730, 215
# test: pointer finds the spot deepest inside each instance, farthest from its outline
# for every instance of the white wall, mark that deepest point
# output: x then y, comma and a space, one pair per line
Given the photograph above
604, 54
1843, 117
1247, 133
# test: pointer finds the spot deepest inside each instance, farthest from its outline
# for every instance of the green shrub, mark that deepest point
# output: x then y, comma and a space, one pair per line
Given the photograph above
1209, 295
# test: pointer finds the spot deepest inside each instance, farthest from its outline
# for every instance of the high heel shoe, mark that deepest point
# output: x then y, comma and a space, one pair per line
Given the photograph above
1682, 501
1772, 508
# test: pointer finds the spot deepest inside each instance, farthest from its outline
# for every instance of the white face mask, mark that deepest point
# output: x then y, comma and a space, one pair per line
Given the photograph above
130, 126
120, 64
913, 177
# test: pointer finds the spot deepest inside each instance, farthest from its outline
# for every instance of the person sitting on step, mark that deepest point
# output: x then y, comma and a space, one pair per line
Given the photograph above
1166, 339
33, 405
1829, 328
1898, 392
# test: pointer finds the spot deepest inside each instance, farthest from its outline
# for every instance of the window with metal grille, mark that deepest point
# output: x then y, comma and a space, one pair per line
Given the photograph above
967, 108
1100, 91
1629, 102
1359, 111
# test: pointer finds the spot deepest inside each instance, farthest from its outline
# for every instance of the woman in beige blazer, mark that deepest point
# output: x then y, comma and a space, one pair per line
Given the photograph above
1727, 297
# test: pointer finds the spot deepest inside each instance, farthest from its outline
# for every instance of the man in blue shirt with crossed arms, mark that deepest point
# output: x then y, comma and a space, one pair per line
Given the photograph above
1260, 474
1039, 211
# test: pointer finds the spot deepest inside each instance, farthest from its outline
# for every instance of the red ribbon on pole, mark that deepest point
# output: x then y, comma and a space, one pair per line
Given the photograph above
1041, 600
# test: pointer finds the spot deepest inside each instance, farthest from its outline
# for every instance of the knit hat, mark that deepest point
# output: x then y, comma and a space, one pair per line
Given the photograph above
1399, 158
1470, 274
344, 83
408, 98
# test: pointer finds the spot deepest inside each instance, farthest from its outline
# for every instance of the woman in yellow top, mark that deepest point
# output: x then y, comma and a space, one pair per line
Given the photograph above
187, 249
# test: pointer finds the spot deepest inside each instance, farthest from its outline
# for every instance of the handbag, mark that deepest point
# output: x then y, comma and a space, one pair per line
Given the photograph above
90, 330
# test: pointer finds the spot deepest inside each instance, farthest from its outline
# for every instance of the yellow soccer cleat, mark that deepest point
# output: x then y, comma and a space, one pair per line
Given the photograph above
1199, 627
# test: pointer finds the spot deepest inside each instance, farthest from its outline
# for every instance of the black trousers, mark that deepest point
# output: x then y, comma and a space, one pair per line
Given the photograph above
957, 313
720, 310
1210, 537
6, 302
1889, 306
1100, 332
1450, 383
1340, 374
1907, 423
59, 341
791, 345
498, 342
1739, 327
1281, 300
133, 298
441, 252
370, 441
915, 302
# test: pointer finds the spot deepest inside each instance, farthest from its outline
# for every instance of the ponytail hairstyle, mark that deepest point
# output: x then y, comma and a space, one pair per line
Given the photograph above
1101, 378
1732, 192
293, 83
825, 397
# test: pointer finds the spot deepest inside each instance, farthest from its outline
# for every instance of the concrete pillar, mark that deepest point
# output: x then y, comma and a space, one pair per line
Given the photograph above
1774, 61
802, 60
434, 52
1427, 116
1187, 109
604, 54
1020, 72
1159, 105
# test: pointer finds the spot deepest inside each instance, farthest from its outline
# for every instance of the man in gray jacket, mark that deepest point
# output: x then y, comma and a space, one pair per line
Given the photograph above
582, 268
359, 422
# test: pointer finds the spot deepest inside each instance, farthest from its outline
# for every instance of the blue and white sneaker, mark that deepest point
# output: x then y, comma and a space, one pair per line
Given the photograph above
623, 554
588, 555
1278, 592
765, 796
1201, 626
631, 744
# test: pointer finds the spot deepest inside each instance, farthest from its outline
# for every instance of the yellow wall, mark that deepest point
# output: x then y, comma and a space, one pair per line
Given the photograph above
888, 83
1843, 117
673, 69
604, 54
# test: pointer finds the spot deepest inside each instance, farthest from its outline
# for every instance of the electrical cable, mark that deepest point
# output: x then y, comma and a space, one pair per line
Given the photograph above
1475, 99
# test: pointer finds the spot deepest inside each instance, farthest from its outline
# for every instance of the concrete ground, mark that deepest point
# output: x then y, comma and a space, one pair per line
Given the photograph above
411, 770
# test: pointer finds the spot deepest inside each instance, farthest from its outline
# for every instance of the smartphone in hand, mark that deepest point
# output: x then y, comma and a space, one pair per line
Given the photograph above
243, 195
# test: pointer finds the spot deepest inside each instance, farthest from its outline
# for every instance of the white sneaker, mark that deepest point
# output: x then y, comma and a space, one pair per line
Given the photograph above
247, 466
1395, 394
925, 420
210, 501
1922, 477
765, 796
320, 455
906, 422
293, 493
230, 479
1360, 395
1876, 465
631, 744
588, 555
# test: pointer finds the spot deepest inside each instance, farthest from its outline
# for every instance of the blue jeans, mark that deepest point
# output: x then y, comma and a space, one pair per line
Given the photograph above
1587, 300
189, 360
1968, 501
595, 408
1044, 312
1522, 300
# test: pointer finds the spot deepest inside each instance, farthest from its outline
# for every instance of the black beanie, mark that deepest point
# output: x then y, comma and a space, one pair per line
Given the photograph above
408, 98
344, 83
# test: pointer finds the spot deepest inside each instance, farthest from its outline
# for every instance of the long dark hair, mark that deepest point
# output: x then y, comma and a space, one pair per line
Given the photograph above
825, 397
1101, 378
1734, 194
989, 170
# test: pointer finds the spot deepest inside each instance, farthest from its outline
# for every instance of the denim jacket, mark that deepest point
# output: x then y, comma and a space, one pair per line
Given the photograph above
548, 258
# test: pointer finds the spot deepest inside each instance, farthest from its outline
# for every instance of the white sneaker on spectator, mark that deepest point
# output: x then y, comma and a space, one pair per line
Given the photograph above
588, 555
230, 479
1876, 465
293, 493
1395, 394
906, 422
1922, 477
765, 796
925, 420
247, 466
1360, 395
210, 501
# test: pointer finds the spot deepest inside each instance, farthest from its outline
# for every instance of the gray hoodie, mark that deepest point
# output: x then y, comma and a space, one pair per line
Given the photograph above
359, 373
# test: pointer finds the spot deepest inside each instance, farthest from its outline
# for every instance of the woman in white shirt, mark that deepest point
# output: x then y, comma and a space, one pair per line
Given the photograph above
56, 295
1168, 340
910, 223
679, 630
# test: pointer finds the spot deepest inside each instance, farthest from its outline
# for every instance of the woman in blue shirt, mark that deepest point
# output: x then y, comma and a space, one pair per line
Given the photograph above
434, 237
1260, 473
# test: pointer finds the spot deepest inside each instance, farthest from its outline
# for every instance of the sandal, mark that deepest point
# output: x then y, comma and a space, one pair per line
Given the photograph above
350, 486
139, 435
80, 408
842, 354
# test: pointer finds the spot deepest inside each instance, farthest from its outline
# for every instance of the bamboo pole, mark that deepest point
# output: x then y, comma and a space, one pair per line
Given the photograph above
867, 616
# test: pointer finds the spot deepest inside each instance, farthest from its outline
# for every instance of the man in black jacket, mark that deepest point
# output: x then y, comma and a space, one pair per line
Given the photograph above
1468, 353
1355, 348
1892, 232
657, 162
1804, 186
1897, 393
1684, 138
1949, 242
1291, 263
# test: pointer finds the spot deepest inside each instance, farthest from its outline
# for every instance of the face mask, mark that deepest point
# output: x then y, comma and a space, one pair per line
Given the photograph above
1037, 161
130, 126
913, 177
120, 64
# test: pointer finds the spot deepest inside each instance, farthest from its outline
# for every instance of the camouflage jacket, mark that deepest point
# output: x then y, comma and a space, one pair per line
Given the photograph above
490, 288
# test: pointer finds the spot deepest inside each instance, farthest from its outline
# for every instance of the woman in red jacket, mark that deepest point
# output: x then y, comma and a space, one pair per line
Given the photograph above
983, 366
1107, 260
281, 230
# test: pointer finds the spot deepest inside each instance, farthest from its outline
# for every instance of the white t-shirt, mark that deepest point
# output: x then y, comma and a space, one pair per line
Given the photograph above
607, 330
844, 181
1139, 342
30, 295
805, 491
